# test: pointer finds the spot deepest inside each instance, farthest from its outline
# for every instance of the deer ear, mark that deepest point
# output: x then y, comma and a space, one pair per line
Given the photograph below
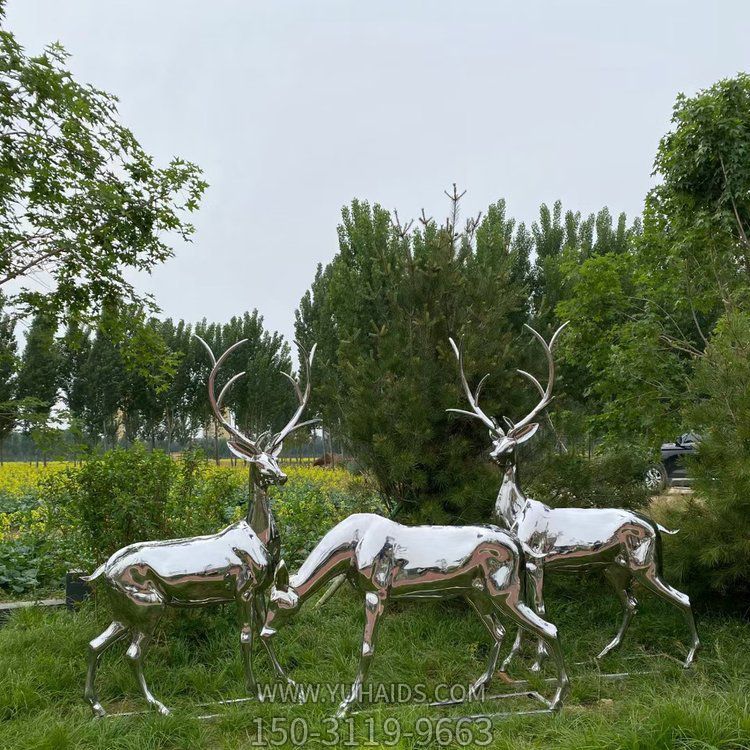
281, 577
522, 434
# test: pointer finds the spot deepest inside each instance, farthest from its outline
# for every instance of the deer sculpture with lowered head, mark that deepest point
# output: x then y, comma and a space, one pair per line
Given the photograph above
235, 565
623, 544
386, 561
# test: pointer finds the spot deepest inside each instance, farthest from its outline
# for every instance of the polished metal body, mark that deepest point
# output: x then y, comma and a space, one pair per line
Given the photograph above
235, 565
624, 545
387, 561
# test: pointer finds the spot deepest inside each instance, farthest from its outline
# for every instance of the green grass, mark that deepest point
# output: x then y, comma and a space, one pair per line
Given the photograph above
196, 659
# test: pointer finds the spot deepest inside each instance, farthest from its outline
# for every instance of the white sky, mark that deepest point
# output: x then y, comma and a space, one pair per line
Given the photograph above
294, 108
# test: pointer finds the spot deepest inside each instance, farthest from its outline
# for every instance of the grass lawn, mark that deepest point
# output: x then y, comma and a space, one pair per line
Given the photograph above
196, 659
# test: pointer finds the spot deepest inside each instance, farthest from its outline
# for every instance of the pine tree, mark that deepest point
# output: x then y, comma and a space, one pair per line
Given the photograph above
714, 538
382, 313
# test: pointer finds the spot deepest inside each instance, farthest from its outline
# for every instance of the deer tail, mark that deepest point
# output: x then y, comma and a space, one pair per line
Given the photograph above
95, 574
665, 530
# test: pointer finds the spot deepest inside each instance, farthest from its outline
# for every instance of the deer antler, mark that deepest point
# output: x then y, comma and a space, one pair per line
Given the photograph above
244, 443
294, 424
546, 393
473, 398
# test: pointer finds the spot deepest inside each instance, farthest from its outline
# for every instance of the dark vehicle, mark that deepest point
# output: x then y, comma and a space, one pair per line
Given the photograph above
671, 471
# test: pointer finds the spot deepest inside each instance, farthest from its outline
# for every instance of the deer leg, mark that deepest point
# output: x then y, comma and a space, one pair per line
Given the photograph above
374, 607
333, 587
525, 617
536, 576
486, 612
259, 607
247, 631
620, 578
515, 649
96, 648
650, 579
136, 652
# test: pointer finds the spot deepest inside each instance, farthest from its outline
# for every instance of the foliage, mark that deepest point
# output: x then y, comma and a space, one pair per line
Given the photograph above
714, 554
608, 480
150, 384
38, 376
19, 566
80, 200
116, 499
63, 517
641, 318
700, 212
204, 498
312, 502
382, 313
8, 370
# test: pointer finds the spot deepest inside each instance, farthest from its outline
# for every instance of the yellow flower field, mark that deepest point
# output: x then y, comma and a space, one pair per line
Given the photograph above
17, 478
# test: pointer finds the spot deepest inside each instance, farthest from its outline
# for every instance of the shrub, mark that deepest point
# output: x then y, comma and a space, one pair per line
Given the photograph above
312, 502
75, 517
610, 480
204, 497
116, 499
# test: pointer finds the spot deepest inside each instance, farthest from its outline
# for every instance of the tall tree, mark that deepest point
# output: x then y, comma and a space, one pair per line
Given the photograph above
642, 319
8, 369
80, 200
39, 373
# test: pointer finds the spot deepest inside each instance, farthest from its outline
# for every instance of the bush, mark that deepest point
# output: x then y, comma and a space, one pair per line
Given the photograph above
204, 497
610, 480
312, 502
74, 518
115, 499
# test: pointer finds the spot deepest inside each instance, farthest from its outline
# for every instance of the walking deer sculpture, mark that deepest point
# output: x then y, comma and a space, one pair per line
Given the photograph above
623, 544
387, 561
236, 564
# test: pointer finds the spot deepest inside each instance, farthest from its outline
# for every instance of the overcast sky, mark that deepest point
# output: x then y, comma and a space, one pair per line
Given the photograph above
294, 108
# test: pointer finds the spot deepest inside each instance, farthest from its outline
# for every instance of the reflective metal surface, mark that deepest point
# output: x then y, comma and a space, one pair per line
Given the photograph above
236, 564
624, 545
386, 561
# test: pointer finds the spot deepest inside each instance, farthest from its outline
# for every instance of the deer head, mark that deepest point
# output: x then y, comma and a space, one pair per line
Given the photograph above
260, 452
504, 442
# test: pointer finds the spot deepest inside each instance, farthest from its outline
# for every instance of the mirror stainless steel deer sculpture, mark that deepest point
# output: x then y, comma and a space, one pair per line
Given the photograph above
235, 565
624, 545
387, 561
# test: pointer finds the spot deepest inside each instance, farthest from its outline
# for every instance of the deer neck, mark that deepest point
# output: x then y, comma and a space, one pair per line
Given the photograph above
329, 559
260, 517
510, 500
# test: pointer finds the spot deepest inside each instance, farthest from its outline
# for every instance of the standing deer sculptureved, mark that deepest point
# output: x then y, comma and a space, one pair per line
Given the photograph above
624, 545
387, 561
235, 565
